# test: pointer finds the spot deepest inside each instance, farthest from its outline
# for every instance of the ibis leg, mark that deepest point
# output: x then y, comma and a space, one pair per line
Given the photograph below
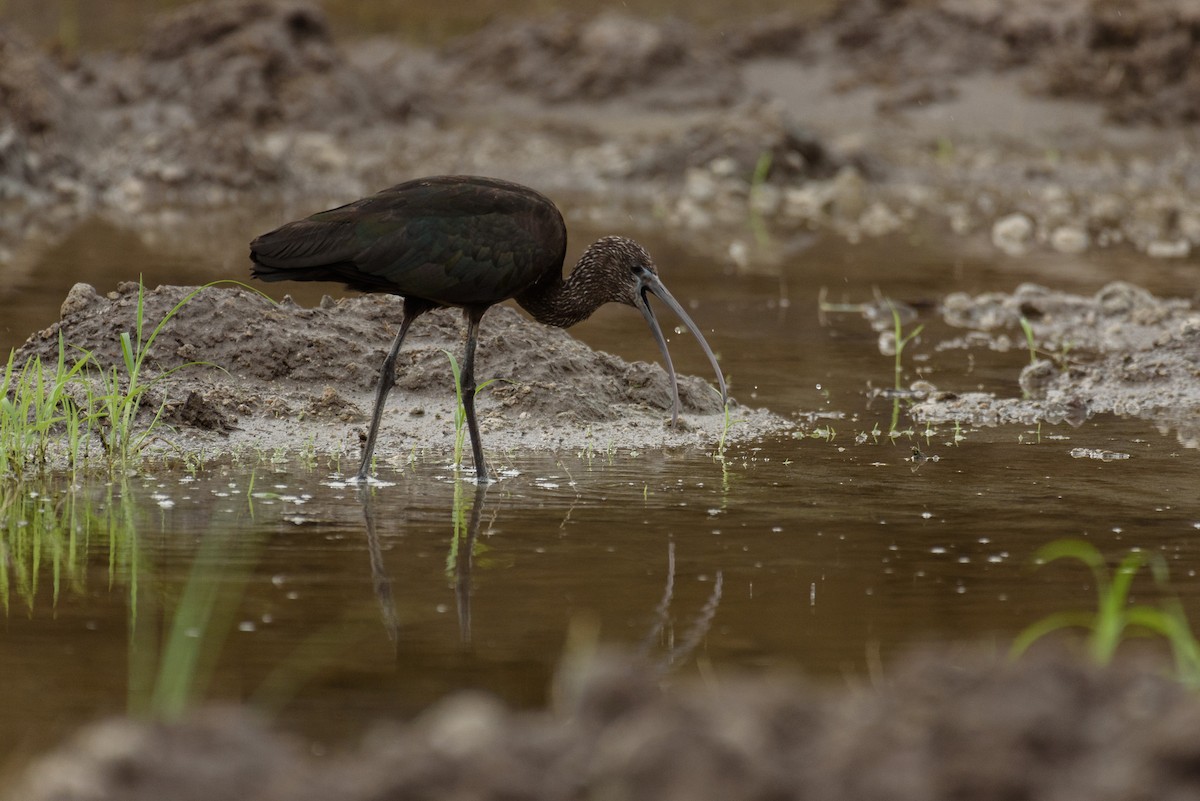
387, 380
467, 381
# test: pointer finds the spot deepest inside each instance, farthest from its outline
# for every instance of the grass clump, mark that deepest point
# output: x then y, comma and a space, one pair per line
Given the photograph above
123, 387
75, 399
35, 403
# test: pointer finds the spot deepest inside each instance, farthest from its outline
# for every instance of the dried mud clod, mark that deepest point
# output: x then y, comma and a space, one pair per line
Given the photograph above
1121, 351
278, 375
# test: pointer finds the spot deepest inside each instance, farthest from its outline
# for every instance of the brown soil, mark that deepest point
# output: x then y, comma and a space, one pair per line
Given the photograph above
1076, 116
943, 726
570, 58
265, 376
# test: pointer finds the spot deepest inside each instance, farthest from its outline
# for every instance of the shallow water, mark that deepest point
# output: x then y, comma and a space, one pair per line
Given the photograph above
825, 554
829, 556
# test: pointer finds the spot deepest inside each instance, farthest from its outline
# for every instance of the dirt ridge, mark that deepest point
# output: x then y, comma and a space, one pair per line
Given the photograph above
262, 375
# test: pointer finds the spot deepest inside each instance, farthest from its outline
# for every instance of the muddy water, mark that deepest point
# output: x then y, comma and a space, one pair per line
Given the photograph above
824, 553
826, 558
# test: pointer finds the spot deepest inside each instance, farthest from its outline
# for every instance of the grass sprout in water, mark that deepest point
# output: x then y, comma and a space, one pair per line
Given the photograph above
727, 423
1114, 618
1030, 342
762, 169
460, 411
883, 309
902, 341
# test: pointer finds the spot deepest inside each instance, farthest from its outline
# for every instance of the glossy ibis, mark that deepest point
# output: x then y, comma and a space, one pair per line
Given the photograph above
469, 242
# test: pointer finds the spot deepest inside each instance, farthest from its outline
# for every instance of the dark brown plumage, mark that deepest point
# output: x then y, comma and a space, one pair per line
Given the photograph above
470, 242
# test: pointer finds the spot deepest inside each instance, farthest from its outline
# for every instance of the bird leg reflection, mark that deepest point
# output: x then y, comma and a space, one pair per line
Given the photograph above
381, 582
462, 554
677, 652
459, 562
662, 611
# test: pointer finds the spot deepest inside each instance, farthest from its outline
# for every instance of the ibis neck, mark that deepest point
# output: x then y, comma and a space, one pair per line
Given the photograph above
553, 301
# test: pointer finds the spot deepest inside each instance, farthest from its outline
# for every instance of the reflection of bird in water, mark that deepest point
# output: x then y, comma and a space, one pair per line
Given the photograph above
380, 581
466, 531
469, 242
463, 553
682, 649
461, 563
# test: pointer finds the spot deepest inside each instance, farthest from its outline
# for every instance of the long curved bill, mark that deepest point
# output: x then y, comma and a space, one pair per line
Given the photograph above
651, 283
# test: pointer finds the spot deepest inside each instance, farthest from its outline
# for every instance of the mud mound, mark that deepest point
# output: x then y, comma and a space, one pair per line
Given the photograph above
1121, 351
234, 95
573, 58
32, 99
890, 42
1142, 60
278, 375
258, 62
944, 727
740, 138
35, 109
764, 36
214, 81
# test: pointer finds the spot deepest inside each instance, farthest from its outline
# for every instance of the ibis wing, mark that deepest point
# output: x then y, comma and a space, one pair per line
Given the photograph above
454, 241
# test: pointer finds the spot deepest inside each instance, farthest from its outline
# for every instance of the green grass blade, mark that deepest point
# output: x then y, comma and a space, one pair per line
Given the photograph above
1047, 625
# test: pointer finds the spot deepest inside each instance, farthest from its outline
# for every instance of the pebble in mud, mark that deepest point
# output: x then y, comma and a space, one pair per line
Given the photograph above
1176, 249
80, 297
1036, 377
1013, 234
1069, 239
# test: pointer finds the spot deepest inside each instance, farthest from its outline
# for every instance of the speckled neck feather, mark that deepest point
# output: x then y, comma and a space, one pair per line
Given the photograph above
603, 274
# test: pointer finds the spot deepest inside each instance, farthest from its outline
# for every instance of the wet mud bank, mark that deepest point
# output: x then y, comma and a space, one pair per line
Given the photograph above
1065, 128
1121, 351
232, 370
943, 726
